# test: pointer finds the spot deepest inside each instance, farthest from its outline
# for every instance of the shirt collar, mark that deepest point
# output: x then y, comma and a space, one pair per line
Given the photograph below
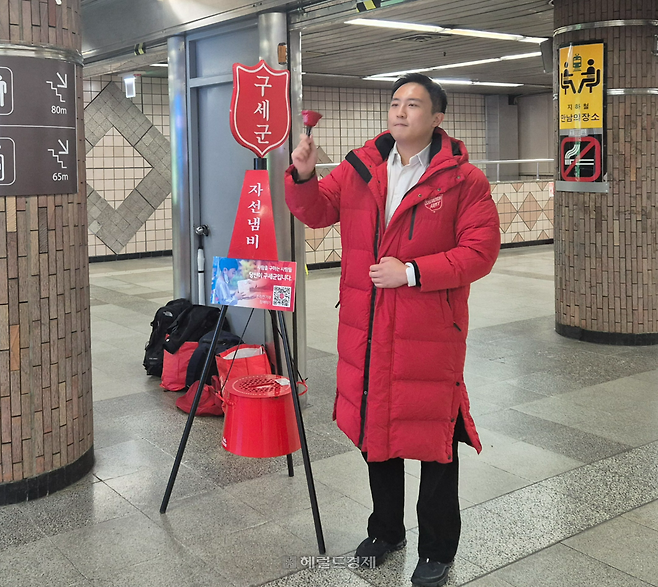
422, 158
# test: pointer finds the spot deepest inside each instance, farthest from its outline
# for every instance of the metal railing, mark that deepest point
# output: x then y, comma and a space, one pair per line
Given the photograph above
479, 163
499, 162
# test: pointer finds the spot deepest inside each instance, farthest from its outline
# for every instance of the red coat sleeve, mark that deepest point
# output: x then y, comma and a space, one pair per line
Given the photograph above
477, 230
315, 203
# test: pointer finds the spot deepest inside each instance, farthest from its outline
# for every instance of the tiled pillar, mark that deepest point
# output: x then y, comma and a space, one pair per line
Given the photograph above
606, 248
46, 437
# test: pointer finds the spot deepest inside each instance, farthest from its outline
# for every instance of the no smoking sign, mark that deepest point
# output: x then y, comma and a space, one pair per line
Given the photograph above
581, 158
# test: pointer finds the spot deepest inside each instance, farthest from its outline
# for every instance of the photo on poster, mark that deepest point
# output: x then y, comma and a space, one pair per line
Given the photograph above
250, 283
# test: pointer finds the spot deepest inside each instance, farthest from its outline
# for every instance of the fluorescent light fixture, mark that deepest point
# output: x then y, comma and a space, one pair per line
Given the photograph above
429, 28
486, 34
129, 83
460, 64
448, 81
392, 24
159, 65
521, 56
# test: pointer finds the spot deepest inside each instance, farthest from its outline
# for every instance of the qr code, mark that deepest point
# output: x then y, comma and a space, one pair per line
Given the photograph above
281, 296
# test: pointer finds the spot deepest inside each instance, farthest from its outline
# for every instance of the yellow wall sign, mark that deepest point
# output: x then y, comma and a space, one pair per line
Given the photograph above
582, 76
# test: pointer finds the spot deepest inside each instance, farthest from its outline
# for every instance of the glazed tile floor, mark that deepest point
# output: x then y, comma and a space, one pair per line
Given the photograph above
564, 494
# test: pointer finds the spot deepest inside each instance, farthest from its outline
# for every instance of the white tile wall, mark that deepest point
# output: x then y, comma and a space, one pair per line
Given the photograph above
114, 168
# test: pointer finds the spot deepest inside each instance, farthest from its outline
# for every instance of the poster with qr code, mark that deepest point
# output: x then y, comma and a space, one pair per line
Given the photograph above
249, 283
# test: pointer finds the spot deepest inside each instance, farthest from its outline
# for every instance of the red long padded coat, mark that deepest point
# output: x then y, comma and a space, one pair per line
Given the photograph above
400, 383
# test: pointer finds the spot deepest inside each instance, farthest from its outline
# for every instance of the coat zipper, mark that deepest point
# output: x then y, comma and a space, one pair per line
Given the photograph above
450, 306
413, 221
366, 371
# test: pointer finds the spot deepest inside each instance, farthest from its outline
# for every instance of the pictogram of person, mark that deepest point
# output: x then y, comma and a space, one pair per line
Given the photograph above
566, 81
591, 77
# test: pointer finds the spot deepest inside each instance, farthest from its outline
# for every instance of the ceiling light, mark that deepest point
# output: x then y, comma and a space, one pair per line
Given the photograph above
159, 65
392, 24
447, 82
429, 28
486, 35
460, 64
521, 56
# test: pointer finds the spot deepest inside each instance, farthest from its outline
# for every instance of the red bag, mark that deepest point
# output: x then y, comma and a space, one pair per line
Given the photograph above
209, 403
242, 360
174, 367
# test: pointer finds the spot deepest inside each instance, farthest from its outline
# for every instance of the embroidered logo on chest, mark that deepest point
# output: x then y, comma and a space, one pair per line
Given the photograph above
434, 204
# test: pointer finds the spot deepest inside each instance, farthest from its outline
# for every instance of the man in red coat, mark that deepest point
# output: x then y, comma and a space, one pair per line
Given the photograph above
418, 226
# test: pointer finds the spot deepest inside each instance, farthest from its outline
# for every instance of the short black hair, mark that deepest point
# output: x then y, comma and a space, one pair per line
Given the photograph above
436, 92
228, 264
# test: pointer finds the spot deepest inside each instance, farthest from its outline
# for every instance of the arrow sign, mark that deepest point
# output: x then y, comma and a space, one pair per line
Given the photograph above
65, 148
64, 81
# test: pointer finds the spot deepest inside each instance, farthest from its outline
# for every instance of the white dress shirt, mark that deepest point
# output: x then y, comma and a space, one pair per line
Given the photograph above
401, 178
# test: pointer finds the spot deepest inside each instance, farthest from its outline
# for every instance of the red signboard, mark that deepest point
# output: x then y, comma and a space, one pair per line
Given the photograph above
254, 236
581, 158
260, 107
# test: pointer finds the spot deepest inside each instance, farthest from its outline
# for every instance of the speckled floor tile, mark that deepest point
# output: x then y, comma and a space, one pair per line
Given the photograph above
77, 507
553, 516
344, 524
167, 571
558, 438
320, 578
479, 481
396, 571
102, 550
491, 541
624, 545
277, 495
16, 527
145, 489
646, 515
205, 519
254, 555
526, 460
35, 565
128, 457
559, 566
615, 485
348, 474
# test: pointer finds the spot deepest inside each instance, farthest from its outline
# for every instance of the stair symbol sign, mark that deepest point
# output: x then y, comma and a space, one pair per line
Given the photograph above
62, 85
64, 146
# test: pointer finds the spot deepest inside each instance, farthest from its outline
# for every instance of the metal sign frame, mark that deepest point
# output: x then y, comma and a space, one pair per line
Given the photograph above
600, 184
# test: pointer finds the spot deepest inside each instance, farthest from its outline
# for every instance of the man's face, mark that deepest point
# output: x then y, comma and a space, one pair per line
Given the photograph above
410, 117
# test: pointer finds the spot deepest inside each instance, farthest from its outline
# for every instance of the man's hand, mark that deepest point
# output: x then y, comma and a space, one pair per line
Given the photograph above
389, 273
305, 157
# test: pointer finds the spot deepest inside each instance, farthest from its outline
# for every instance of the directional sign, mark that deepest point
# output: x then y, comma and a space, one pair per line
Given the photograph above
38, 135
581, 158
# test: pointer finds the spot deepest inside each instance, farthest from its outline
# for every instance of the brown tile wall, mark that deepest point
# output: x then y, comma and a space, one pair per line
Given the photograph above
606, 244
45, 360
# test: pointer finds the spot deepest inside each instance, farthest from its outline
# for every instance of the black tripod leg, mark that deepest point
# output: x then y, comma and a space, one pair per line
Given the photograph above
302, 435
279, 371
195, 404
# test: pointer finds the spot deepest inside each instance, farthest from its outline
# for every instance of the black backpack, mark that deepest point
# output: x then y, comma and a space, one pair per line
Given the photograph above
190, 326
195, 367
163, 319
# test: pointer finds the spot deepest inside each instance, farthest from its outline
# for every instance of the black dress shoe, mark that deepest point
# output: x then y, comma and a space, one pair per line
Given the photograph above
430, 573
372, 551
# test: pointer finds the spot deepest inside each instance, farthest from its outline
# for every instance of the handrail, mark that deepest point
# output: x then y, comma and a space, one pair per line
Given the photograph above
497, 162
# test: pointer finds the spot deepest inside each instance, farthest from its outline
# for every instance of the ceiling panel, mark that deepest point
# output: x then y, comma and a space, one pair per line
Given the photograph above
337, 49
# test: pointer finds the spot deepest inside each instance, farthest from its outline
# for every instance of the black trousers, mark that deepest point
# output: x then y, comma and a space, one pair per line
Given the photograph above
439, 521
